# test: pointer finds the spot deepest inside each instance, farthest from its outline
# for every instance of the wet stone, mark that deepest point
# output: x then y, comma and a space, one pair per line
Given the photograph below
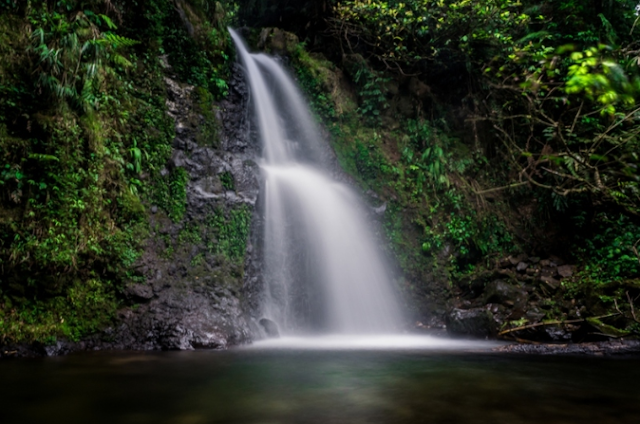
565, 271
139, 292
515, 260
550, 282
504, 263
477, 322
499, 291
557, 333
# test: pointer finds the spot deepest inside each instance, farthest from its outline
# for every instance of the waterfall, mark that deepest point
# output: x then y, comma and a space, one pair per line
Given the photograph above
323, 270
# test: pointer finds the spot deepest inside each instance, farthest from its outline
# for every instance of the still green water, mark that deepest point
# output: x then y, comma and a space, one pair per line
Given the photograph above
319, 386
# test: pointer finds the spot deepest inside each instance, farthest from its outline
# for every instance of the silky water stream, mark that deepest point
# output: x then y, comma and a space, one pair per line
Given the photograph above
342, 357
326, 282
323, 272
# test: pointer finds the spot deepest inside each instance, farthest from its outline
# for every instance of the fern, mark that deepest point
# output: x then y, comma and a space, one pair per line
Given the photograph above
43, 157
118, 41
108, 21
71, 56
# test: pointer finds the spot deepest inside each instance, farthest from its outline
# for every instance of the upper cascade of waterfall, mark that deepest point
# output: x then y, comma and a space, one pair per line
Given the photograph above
323, 270
281, 111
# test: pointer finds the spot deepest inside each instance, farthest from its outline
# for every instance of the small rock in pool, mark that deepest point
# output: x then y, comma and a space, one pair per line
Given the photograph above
270, 328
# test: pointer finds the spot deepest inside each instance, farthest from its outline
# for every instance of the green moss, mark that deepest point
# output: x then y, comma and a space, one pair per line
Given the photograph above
197, 260
227, 180
607, 329
231, 232
171, 193
201, 58
85, 307
191, 234
208, 127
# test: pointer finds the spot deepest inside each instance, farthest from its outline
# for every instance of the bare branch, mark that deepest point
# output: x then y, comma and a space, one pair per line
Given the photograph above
635, 249
542, 324
633, 312
500, 188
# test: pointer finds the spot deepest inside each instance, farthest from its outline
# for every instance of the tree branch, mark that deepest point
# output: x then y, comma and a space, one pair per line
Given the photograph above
542, 324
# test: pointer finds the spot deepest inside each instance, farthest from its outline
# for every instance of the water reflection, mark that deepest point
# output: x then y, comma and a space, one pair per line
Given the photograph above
319, 386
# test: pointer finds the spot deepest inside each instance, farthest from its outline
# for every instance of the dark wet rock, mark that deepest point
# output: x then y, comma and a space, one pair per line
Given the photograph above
277, 41
193, 299
534, 315
515, 260
522, 291
270, 328
53, 350
476, 322
503, 263
549, 282
565, 271
550, 271
139, 292
556, 261
188, 320
557, 333
507, 273
184, 144
475, 284
499, 291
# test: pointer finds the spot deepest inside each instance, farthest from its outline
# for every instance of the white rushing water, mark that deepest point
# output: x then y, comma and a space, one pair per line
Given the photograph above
374, 342
323, 270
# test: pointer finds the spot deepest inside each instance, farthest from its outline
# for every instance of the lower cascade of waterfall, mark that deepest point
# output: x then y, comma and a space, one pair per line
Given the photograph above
323, 270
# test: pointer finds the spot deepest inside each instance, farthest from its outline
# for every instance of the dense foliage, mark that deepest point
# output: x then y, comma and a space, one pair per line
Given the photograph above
561, 95
485, 128
495, 127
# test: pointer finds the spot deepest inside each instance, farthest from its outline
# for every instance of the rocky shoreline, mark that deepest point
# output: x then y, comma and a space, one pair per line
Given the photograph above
607, 348
528, 299
612, 348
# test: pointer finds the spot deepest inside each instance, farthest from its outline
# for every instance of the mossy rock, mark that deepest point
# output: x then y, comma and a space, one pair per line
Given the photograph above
277, 41
607, 329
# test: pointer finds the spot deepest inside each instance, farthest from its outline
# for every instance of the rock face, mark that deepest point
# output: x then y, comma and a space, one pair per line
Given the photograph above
192, 293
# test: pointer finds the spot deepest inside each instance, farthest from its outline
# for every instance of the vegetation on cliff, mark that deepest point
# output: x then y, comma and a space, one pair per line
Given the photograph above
487, 129
490, 128
84, 139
